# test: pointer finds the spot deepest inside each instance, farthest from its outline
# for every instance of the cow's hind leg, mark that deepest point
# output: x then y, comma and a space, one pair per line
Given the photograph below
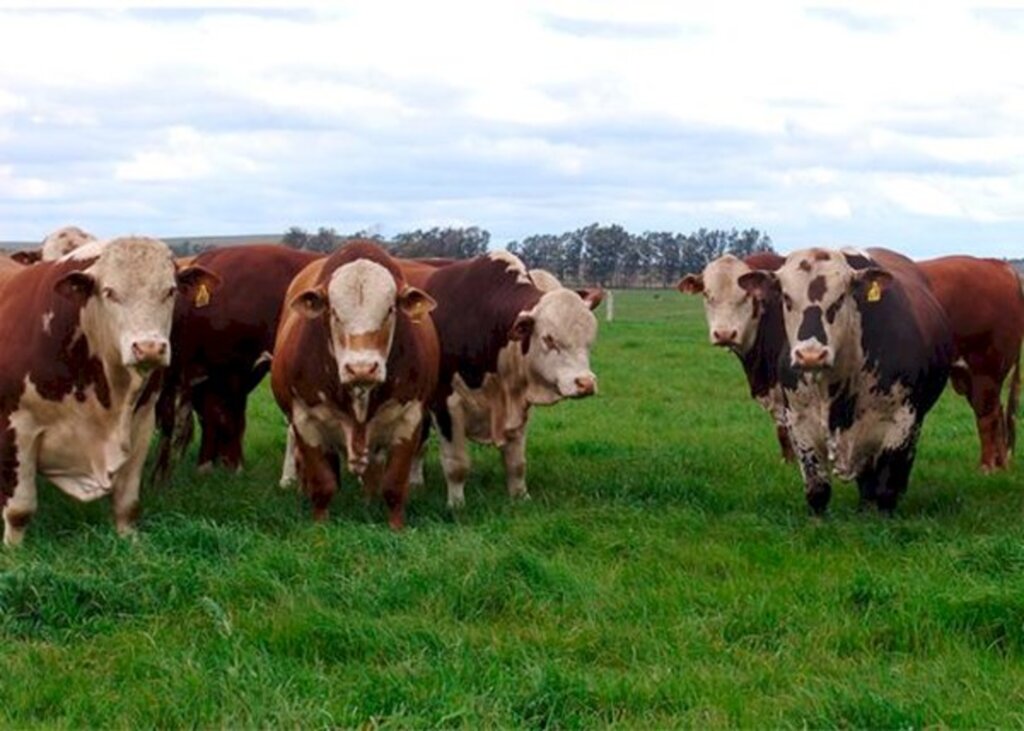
984, 400
455, 459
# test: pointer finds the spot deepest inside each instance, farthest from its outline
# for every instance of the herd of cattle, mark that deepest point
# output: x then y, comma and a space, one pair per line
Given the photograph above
108, 341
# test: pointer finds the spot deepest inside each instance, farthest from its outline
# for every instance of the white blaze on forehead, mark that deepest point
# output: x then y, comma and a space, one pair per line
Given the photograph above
513, 264
362, 294
63, 241
132, 265
564, 315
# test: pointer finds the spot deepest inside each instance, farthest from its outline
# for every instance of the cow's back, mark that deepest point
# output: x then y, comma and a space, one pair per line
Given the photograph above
980, 296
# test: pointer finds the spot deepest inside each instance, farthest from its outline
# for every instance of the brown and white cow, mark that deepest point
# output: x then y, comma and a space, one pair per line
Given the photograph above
869, 354
354, 364
221, 344
749, 326
77, 383
59, 243
506, 345
985, 306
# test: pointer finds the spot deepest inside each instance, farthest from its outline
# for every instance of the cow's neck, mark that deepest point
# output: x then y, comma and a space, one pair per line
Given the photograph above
761, 362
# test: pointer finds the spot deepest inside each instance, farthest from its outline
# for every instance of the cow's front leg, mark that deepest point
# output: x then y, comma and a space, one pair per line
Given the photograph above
893, 469
513, 453
455, 458
289, 472
318, 474
126, 482
396, 480
19, 461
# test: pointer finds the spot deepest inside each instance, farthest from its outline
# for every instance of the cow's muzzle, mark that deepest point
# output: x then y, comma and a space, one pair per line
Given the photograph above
812, 358
362, 373
585, 386
725, 338
148, 354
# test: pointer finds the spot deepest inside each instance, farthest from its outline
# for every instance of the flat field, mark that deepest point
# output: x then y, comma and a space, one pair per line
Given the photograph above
665, 574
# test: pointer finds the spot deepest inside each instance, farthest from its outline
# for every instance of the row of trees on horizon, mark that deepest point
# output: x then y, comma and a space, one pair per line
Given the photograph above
606, 255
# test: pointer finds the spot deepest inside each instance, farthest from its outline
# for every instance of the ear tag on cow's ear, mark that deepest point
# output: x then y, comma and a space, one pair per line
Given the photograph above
202, 296
874, 292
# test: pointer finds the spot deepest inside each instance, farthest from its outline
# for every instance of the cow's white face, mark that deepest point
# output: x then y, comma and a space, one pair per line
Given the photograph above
820, 293
561, 330
128, 295
732, 312
362, 298
64, 241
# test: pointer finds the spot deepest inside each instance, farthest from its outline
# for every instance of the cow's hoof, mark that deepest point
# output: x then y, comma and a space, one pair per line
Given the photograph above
456, 503
205, 468
520, 496
287, 483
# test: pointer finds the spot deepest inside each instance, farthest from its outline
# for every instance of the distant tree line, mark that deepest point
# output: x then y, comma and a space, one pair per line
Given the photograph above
609, 256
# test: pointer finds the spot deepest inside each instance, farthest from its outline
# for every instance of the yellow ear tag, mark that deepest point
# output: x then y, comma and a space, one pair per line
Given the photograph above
202, 296
874, 292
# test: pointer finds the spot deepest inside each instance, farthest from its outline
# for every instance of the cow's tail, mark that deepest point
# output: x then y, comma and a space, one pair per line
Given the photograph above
1013, 400
1012, 407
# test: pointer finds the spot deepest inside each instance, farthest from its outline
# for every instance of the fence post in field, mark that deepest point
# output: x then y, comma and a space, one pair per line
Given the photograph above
609, 309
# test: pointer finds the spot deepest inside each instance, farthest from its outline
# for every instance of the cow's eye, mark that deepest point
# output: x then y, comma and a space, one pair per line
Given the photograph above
787, 301
549, 342
170, 293
833, 309
110, 294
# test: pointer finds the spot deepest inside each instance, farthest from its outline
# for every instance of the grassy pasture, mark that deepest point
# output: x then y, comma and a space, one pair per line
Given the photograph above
664, 574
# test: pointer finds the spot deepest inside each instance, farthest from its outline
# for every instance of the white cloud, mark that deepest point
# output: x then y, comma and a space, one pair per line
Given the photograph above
835, 206
920, 197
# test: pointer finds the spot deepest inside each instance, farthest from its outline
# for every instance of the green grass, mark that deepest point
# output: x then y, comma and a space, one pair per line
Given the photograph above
664, 574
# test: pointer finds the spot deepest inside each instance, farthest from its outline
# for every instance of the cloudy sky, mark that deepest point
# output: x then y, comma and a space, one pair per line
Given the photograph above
819, 126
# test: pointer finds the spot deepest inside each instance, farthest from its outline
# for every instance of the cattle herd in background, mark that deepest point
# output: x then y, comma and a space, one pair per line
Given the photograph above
847, 349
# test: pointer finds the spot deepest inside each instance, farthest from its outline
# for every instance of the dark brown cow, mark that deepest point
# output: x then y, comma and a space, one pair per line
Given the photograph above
355, 362
83, 336
506, 345
985, 307
749, 326
221, 344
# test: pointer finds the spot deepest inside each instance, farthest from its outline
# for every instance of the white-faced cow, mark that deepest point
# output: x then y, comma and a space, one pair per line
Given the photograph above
83, 336
869, 354
61, 242
354, 363
506, 345
749, 326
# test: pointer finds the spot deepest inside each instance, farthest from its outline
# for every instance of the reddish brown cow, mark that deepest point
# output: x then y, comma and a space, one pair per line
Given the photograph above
221, 344
984, 303
355, 362
77, 383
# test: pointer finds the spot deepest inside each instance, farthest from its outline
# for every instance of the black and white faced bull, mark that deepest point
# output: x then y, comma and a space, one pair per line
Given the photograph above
869, 354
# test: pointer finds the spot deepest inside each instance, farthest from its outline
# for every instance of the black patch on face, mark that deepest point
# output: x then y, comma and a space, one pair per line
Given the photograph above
812, 326
816, 290
833, 309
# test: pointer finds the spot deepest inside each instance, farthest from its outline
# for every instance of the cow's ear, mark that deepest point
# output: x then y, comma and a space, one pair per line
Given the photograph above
691, 284
759, 283
592, 296
522, 328
872, 283
76, 286
415, 302
198, 281
27, 256
310, 304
